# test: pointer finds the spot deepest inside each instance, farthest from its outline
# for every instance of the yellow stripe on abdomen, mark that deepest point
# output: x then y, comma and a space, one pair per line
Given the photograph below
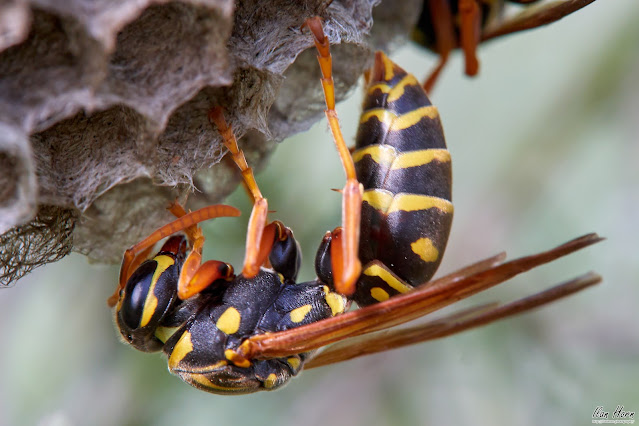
381, 154
387, 155
375, 270
394, 92
384, 201
400, 122
420, 158
413, 202
379, 199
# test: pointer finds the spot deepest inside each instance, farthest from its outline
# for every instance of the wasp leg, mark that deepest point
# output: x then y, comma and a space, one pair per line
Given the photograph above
180, 224
253, 258
350, 266
536, 16
333, 268
470, 33
192, 232
457, 322
425, 299
445, 40
195, 276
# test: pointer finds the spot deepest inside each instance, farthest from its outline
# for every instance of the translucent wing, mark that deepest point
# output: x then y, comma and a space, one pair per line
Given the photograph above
424, 300
447, 325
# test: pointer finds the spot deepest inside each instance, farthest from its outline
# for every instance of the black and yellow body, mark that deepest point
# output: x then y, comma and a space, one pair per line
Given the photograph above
200, 335
240, 335
202, 351
402, 161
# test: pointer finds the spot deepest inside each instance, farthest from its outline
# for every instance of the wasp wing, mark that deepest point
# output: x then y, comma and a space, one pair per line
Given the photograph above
451, 324
405, 307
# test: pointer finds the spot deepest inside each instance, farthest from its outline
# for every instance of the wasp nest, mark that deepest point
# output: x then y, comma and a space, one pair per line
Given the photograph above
103, 108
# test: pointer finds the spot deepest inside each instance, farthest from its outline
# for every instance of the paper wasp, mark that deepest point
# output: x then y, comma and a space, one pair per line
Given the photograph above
227, 333
444, 25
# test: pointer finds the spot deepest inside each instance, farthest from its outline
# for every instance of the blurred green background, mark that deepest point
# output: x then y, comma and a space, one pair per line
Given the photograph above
545, 148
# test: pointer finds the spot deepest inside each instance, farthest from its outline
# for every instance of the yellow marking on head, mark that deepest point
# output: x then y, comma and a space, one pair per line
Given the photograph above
398, 91
411, 202
379, 199
232, 356
164, 333
294, 362
411, 118
281, 277
421, 157
381, 154
229, 321
151, 301
375, 270
181, 349
425, 249
270, 381
298, 314
379, 294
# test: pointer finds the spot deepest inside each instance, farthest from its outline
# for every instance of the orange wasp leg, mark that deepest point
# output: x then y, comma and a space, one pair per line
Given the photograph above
257, 246
134, 255
346, 274
445, 38
195, 276
470, 33
406, 307
535, 16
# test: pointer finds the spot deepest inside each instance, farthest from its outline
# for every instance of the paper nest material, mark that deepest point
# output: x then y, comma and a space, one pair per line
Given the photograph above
103, 108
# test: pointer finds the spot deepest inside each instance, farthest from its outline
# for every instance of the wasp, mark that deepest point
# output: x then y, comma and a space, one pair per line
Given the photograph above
444, 25
232, 334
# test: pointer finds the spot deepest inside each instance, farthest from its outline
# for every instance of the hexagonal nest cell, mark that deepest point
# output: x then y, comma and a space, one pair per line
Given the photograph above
103, 108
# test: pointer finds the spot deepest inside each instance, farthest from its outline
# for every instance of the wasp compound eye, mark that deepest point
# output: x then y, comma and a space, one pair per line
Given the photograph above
147, 296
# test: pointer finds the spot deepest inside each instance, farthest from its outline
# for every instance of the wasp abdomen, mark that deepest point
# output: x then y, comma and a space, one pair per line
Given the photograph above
402, 161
